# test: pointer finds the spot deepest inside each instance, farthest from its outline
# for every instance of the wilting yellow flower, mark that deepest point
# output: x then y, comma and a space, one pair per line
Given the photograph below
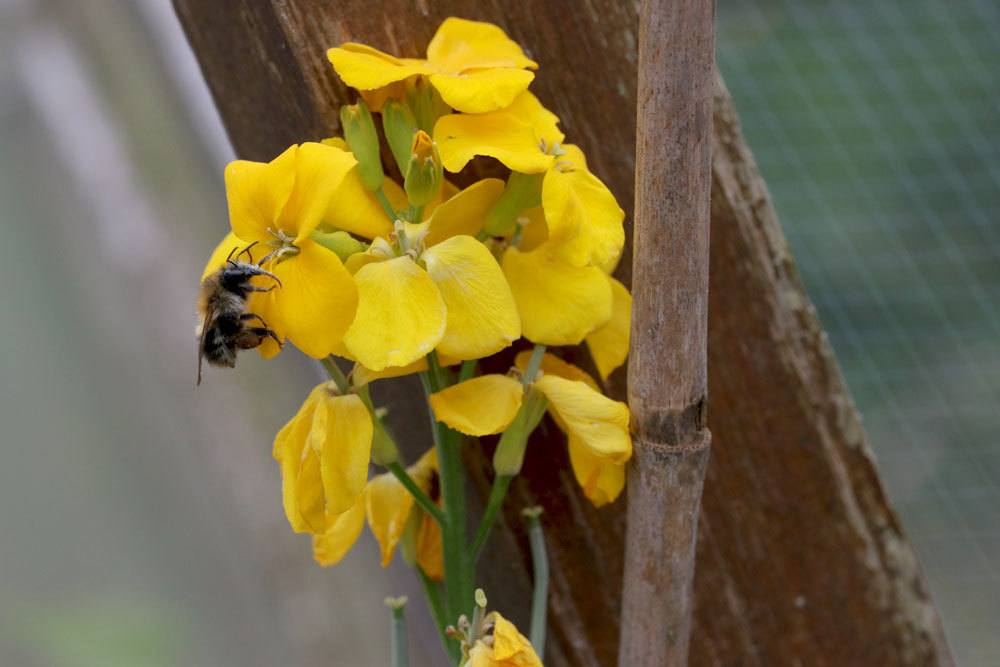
433, 286
324, 452
474, 66
277, 205
389, 508
596, 426
508, 648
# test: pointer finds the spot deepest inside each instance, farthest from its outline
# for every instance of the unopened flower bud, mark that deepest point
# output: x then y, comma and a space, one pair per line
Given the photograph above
384, 450
509, 455
399, 126
425, 102
359, 131
424, 172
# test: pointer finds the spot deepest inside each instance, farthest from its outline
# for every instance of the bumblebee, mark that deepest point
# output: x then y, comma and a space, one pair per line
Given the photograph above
226, 326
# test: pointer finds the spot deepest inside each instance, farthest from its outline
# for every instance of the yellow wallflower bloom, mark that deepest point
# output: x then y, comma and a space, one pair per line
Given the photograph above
388, 507
428, 289
520, 136
556, 266
324, 452
474, 66
509, 647
278, 205
582, 216
597, 427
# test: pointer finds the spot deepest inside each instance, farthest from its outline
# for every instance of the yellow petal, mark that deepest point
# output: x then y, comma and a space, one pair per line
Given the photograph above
342, 435
551, 364
319, 171
513, 135
354, 209
480, 406
559, 304
481, 314
362, 376
600, 477
534, 231
430, 548
257, 193
464, 212
461, 44
609, 344
317, 300
583, 217
336, 142
481, 91
342, 532
379, 251
289, 446
400, 316
572, 157
389, 505
510, 647
365, 68
594, 420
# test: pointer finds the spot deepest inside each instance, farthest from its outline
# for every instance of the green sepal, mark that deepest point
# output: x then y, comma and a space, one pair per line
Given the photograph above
362, 138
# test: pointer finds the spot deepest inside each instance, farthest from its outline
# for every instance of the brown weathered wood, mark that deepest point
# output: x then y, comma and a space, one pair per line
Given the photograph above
668, 375
800, 559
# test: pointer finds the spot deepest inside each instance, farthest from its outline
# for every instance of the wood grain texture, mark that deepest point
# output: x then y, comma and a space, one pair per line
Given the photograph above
668, 377
800, 558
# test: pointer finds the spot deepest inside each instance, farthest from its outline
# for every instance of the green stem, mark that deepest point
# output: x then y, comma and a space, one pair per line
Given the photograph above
397, 629
533, 364
337, 375
540, 562
457, 567
467, 371
432, 591
416, 213
497, 493
418, 494
386, 205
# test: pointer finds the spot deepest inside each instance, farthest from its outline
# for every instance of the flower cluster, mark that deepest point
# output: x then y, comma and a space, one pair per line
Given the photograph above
417, 275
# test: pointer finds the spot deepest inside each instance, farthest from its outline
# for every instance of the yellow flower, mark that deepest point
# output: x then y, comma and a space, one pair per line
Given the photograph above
474, 66
389, 509
508, 648
278, 205
324, 452
596, 426
428, 289
583, 219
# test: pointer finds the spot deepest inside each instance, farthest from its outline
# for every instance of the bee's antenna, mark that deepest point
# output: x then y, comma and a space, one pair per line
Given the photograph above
229, 257
246, 251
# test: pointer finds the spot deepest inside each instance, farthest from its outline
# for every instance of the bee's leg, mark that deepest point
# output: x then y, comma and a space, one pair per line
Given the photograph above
253, 337
246, 317
273, 336
254, 288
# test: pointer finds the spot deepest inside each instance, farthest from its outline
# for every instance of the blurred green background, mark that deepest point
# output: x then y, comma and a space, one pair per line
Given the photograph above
141, 523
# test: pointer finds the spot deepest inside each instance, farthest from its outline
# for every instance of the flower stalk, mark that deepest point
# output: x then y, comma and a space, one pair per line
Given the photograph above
540, 565
397, 631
